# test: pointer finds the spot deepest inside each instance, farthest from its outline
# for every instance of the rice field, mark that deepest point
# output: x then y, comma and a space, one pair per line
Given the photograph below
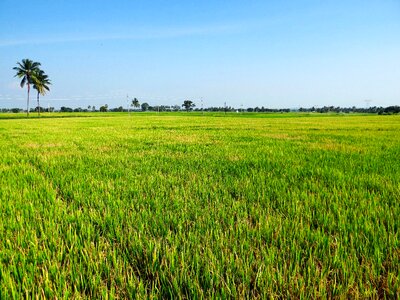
190, 206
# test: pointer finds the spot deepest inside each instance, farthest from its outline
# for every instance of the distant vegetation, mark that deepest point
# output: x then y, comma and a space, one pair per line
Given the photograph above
143, 107
370, 110
188, 105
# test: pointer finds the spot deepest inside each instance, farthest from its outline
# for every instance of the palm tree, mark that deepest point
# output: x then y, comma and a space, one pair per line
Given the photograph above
41, 83
26, 70
135, 103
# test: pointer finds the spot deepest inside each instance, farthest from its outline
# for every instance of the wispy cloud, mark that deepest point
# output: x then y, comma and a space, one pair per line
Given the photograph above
140, 34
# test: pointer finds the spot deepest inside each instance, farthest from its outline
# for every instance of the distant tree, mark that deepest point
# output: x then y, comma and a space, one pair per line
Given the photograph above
26, 70
41, 83
175, 108
66, 109
145, 106
15, 110
89, 107
38, 108
188, 105
392, 109
104, 108
135, 103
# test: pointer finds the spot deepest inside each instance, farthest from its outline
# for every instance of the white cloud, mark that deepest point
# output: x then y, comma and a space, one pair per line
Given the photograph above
140, 34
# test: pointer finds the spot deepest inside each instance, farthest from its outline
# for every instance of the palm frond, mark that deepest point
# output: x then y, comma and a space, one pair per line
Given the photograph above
36, 65
20, 72
23, 81
40, 81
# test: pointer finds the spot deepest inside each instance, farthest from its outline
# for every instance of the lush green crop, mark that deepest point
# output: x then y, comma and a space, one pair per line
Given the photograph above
183, 206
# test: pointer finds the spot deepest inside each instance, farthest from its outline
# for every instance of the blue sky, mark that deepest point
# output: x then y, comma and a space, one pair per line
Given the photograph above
252, 53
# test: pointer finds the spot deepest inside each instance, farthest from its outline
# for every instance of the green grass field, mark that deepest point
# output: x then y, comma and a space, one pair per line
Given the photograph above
192, 206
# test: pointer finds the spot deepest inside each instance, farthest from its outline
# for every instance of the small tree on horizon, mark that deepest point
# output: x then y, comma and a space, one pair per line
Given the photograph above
188, 105
145, 106
135, 103
104, 108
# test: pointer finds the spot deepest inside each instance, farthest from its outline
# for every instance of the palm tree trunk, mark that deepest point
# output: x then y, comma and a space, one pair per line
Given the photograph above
38, 105
27, 102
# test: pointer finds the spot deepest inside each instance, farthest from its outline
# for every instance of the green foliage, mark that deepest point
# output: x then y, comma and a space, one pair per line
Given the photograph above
104, 108
186, 206
26, 69
41, 82
188, 105
135, 103
145, 106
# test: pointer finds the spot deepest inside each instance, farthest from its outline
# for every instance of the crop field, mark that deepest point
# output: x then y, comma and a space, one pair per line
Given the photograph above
191, 206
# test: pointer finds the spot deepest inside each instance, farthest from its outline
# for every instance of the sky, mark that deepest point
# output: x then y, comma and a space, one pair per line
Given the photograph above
276, 54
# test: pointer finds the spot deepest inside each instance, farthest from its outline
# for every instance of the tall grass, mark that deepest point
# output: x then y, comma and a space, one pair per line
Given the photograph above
182, 206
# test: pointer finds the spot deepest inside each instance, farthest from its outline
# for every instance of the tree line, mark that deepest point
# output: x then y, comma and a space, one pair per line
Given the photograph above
369, 110
176, 108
